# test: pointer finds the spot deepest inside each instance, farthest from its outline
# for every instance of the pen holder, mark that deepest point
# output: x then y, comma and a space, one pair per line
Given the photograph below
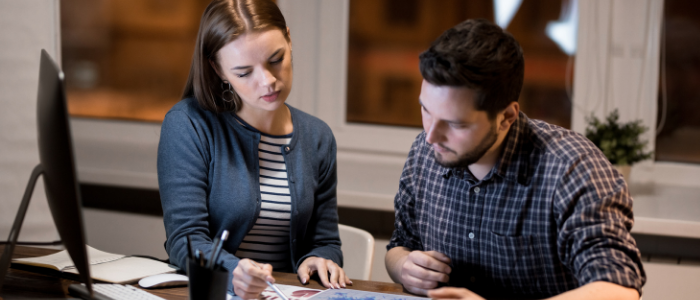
206, 284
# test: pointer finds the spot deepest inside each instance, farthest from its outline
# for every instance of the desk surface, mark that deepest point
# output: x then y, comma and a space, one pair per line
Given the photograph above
22, 284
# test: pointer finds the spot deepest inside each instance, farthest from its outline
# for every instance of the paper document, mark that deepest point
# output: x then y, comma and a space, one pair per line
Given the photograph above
104, 266
61, 260
347, 294
292, 292
302, 293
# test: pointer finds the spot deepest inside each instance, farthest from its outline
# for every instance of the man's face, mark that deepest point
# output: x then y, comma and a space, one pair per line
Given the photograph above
459, 134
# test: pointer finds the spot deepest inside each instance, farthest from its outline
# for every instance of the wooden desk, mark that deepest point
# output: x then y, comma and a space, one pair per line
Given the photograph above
22, 284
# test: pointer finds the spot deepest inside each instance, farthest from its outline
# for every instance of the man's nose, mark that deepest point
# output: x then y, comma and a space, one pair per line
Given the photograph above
434, 133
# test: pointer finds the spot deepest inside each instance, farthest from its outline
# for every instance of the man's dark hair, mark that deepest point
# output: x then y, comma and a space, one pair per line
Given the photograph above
479, 55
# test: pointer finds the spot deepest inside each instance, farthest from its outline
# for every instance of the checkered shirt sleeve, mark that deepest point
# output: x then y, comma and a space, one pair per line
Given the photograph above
594, 216
405, 234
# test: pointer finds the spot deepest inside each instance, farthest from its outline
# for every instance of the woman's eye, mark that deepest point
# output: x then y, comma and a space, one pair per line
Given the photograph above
279, 60
242, 75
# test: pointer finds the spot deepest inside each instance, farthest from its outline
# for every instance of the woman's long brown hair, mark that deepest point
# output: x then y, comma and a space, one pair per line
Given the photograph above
222, 22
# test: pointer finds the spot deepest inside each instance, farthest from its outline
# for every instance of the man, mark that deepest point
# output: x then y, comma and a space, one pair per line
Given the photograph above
500, 204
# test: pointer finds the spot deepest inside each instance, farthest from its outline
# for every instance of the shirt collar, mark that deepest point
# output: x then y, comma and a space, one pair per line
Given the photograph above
514, 164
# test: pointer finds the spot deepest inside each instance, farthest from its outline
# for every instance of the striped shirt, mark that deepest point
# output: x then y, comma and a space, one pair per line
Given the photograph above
268, 240
550, 216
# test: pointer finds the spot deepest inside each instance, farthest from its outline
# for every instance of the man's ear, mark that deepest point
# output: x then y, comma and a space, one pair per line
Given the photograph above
216, 69
510, 115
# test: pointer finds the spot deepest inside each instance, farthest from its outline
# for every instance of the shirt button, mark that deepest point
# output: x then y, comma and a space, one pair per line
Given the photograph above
477, 189
471, 235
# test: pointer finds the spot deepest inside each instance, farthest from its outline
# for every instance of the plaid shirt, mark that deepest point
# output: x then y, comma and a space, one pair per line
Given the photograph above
551, 215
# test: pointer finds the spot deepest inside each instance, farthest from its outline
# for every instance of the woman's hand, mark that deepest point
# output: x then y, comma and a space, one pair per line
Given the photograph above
323, 266
453, 293
249, 278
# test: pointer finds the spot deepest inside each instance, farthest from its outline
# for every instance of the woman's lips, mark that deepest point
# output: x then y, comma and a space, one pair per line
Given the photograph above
271, 97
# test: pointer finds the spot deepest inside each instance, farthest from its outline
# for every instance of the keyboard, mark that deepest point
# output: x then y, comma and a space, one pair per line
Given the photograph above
109, 291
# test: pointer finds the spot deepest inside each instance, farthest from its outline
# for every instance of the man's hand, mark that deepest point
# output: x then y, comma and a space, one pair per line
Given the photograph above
422, 271
249, 278
311, 265
454, 293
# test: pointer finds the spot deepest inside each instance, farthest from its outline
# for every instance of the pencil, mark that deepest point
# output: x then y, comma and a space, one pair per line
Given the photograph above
272, 286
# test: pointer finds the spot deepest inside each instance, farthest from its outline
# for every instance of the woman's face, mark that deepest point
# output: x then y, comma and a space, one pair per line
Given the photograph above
259, 67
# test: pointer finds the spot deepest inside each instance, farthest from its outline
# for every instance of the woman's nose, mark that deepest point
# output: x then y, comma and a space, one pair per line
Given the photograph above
267, 78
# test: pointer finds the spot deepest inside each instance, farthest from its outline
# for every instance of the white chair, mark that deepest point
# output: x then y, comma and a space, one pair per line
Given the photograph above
358, 252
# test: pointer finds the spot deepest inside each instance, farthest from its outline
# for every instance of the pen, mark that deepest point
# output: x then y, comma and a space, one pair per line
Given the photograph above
189, 247
217, 250
272, 286
217, 241
198, 256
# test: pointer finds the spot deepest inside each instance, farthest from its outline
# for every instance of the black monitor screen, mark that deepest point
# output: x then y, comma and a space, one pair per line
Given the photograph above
58, 162
57, 165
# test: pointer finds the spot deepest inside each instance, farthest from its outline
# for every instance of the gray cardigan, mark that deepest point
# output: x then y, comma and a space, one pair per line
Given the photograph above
208, 177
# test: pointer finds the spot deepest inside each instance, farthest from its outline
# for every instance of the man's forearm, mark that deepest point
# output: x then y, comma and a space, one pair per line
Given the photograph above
394, 260
599, 290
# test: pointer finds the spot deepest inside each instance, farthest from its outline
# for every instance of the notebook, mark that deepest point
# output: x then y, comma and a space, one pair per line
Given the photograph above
104, 266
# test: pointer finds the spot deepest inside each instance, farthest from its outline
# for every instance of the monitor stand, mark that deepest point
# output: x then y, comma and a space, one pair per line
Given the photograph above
14, 233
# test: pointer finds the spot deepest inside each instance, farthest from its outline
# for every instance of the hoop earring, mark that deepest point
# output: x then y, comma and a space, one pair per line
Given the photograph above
228, 90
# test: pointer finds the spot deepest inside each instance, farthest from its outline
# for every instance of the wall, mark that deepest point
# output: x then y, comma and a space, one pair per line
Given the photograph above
25, 28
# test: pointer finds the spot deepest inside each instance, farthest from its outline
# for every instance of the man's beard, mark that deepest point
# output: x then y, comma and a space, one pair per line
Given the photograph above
473, 156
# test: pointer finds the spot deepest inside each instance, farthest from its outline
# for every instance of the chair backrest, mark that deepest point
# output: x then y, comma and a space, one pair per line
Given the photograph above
358, 252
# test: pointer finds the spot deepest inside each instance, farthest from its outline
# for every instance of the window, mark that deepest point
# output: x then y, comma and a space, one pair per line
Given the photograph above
370, 156
678, 139
127, 59
387, 36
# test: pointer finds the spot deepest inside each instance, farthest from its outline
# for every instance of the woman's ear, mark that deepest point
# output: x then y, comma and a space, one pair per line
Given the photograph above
215, 66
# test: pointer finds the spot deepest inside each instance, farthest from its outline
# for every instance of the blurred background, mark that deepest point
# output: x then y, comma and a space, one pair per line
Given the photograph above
356, 68
129, 59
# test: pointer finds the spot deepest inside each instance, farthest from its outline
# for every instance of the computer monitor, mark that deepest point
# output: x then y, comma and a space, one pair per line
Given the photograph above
57, 165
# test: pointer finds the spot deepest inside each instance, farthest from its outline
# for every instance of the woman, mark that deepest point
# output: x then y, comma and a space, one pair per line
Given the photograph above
232, 156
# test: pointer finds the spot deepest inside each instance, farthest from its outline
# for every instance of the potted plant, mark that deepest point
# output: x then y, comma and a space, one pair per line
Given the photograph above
619, 142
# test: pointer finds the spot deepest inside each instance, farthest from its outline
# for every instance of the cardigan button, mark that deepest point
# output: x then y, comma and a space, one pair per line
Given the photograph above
286, 148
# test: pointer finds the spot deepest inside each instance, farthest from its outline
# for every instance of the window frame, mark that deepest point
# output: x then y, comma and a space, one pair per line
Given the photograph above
371, 157
324, 50
626, 43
